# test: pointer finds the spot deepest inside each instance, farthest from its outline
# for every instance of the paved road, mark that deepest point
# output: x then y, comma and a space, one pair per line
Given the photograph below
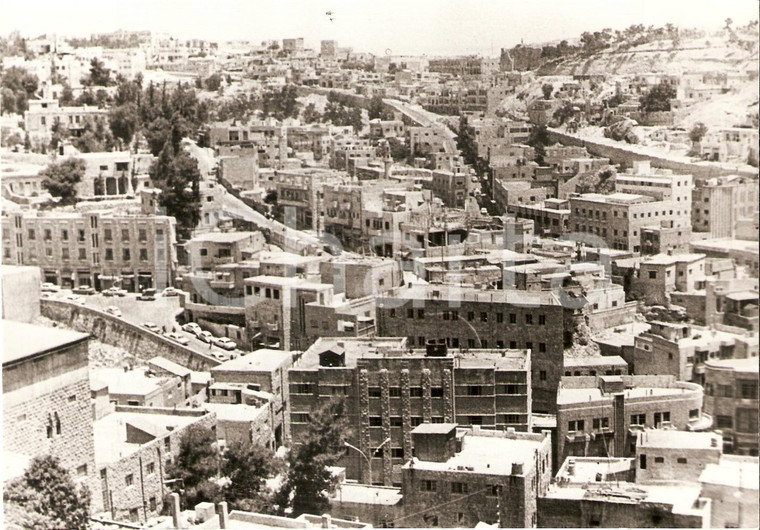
162, 312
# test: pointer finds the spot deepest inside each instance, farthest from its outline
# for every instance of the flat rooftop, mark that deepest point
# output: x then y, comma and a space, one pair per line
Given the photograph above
22, 340
366, 494
433, 293
596, 360
749, 364
222, 237
733, 471
135, 382
667, 439
667, 259
264, 360
479, 454
111, 432
236, 411
566, 396
586, 469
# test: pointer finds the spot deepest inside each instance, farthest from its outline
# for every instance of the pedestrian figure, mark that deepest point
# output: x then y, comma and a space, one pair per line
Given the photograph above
163, 328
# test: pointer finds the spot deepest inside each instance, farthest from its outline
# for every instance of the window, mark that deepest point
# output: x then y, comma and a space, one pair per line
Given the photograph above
459, 488
499, 317
301, 388
748, 389
150, 468
82, 253
416, 420
204, 252
107, 234
394, 391
455, 315
494, 490
693, 414
746, 420
601, 423
142, 234
375, 421
681, 460
82, 470
652, 275
415, 391
129, 479
542, 375
643, 461
575, 425
512, 318
397, 452
638, 419
300, 417
125, 254
124, 234
410, 313
396, 421
143, 254
474, 390
659, 460
484, 317
541, 320
152, 504
512, 418
661, 417
529, 319
470, 316
30, 234
724, 422
436, 391
65, 235
428, 485
48, 234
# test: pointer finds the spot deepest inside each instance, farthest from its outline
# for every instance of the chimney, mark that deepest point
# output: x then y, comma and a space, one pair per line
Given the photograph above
175, 509
517, 468
223, 514
571, 467
326, 521
619, 425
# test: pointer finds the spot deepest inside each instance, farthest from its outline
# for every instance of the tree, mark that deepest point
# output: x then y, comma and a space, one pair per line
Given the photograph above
309, 481
124, 121
377, 109
99, 75
538, 140
311, 115
176, 174
45, 496
61, 179
658, 98
697, 132
197, 462
247, 466
547, 89
213, 82
18, 86
399, 149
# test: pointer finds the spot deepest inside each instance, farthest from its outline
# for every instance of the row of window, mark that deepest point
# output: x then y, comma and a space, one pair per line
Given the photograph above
743, 390
453, 342
47, 234
126, 254
483, 316
457, 488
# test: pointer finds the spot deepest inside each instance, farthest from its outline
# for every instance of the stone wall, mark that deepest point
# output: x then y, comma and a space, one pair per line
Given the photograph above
117, 332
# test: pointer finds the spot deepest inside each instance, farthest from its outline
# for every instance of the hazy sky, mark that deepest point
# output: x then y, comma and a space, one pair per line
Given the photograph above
404, 26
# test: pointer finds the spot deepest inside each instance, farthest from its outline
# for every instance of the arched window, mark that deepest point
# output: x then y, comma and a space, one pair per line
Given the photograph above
49, 427
57, 424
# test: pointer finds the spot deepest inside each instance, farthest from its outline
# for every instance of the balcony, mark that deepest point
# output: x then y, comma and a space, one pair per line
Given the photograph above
703, 423
215, 309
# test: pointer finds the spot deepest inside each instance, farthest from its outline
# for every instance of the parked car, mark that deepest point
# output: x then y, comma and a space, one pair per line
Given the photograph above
171, 291
176, 337
224, 343
221, 356
115, 291
83, 289
206, 337
48, 287
74, 299
192, 327
147, 295
113, 310
151, 326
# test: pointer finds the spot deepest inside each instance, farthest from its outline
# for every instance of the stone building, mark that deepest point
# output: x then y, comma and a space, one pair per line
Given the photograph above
601, 416
731, 397
467, 318
43, 114
661, 274
95, 248
454, 479
390, 389
46, 399
720, 203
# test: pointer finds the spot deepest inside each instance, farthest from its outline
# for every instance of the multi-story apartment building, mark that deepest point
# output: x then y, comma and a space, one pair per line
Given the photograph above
43, 114
600, 416
390, 389
95, 248
720, 203
659, 275
212, 249
456, 480
550, 217
452, 187
467, 318
731, 397
300, 193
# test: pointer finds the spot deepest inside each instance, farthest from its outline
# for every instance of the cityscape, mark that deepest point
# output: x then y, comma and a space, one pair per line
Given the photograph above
413, 265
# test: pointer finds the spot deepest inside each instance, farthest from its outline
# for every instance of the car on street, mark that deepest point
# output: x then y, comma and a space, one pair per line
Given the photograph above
83, 289
206, 337
171, 291
224, 343
221, 356
48, 287
192, 327
74, 299
113, 310
147, 295
115, 291
176, 337
151, 326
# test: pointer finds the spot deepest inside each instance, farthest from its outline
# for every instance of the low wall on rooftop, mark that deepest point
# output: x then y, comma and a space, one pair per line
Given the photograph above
136, 340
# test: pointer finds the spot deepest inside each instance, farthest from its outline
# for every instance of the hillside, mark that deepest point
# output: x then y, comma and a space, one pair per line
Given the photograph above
716, 52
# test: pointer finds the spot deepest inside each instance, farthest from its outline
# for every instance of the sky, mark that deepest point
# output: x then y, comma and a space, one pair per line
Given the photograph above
414, 27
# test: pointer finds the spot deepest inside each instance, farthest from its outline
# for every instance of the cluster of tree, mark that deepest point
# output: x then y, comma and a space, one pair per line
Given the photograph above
341, 110
14, 46
466, 144
658, 98
238, 475
17, 87
239, 108
176, 174
377, 110
596, 182
106, 41
281, 104
562, 49
45, 496
61, 179
212, 83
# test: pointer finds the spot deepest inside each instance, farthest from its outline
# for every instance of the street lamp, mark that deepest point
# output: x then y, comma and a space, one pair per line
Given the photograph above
369, 461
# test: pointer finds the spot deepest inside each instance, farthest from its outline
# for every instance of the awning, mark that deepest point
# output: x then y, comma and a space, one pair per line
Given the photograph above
110, 278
